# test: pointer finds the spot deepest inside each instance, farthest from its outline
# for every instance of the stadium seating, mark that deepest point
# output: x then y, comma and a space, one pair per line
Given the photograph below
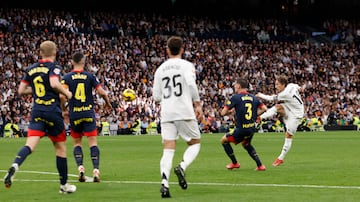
237, 52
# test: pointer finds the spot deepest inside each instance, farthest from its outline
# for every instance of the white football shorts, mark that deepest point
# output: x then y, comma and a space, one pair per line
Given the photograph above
186, 129
291, 121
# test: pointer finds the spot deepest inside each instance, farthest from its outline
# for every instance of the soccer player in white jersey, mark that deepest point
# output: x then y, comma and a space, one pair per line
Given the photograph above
176, 90
290, 106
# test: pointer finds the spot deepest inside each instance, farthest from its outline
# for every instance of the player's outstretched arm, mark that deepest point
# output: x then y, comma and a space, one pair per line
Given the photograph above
266, 97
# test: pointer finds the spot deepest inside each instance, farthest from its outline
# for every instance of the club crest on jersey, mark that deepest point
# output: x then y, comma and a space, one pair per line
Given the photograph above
57, 71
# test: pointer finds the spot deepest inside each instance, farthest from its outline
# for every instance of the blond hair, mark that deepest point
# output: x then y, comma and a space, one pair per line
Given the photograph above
47, 49
283, 80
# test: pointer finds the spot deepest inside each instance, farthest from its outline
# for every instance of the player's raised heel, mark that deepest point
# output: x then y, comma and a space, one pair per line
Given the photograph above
96, 174
277, 162
9, 177
81, 174
181, 176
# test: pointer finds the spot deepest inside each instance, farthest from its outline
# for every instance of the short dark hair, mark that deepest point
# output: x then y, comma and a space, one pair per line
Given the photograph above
175, 43
242, 82
77, 57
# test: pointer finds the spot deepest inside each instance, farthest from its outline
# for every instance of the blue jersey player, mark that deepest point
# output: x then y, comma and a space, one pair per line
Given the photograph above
42, 81
81, 113
247, 107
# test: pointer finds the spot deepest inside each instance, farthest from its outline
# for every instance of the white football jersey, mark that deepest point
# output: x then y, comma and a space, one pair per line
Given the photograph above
292, 99
175, 88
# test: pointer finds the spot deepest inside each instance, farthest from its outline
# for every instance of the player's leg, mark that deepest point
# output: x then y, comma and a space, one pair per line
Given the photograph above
32, 140
95, 156
90, 131
291, 124
189, 131
62, 167
246, 143
35, 132
59, 142
78, 153
225, 141
169, 136
57, 135
271, 112
285, 149
190, 153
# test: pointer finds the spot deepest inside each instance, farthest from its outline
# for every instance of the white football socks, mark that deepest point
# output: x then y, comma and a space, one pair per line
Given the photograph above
269, 113
190, 155
286, 148
166, 164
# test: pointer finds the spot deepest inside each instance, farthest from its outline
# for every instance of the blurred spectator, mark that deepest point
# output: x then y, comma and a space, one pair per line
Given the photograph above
124, 126
124, 49
144, 125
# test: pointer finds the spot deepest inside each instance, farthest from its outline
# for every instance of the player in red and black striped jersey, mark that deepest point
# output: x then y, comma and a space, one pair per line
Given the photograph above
247, 107
81, 112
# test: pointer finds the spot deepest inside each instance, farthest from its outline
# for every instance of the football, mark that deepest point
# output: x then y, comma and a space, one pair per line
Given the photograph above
128, 95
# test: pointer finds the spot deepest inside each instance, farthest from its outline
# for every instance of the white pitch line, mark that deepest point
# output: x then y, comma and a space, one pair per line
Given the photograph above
87, 179
90, 179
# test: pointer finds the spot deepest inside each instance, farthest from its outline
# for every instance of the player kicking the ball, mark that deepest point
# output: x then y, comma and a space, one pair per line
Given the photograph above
290, 106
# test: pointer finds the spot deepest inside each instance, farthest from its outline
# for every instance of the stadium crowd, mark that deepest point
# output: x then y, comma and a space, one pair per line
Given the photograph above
124, 50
